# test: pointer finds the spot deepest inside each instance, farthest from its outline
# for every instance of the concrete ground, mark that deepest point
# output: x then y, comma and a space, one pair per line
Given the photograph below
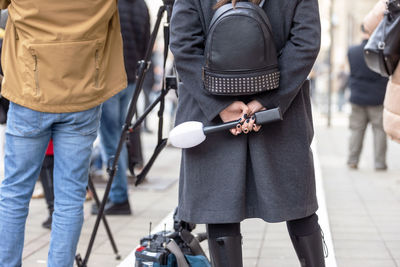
363, 210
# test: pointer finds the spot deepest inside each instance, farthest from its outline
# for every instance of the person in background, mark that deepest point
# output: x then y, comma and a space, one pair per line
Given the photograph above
46, 178
135, 29
63, 61
367, 91
391, 110
343, 82
47, 181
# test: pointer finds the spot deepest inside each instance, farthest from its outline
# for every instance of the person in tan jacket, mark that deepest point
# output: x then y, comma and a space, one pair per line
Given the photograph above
61, 60
391, 112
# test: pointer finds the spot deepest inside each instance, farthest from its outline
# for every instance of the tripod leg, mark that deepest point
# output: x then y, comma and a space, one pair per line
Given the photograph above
110, 236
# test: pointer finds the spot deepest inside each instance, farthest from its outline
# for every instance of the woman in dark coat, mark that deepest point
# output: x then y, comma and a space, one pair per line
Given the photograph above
268, 174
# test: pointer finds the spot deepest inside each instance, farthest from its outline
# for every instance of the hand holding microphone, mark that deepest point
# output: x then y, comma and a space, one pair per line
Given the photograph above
238, 109
192, 133
249, 124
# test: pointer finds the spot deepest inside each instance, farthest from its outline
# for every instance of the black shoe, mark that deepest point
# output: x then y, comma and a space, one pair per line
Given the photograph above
111, 208
47, 223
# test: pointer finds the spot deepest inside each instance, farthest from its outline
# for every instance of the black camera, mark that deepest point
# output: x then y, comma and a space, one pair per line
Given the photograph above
155, 250
152, 250
153, 247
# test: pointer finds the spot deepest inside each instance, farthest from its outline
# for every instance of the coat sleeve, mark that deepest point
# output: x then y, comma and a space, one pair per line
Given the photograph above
391, 112
4, 4
297, 56
187, 45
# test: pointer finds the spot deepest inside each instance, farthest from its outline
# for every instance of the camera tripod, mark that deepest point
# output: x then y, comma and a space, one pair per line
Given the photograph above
167, 84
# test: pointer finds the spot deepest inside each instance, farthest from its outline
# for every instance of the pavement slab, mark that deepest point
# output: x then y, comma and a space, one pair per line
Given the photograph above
363, 204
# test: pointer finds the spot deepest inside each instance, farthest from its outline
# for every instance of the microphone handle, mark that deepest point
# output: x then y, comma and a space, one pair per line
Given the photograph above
269, 115
221, 127
262, 117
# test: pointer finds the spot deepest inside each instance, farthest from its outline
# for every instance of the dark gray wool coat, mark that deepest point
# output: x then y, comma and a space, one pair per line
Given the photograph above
269, 174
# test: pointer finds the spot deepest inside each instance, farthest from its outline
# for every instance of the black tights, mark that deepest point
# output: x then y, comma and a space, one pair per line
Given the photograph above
300, 227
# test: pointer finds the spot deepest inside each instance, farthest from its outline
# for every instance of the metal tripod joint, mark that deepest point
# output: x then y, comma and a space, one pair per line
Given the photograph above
144, 64
110, 170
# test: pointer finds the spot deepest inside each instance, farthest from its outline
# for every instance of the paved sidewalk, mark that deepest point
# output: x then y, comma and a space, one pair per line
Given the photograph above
363, 209
363, 205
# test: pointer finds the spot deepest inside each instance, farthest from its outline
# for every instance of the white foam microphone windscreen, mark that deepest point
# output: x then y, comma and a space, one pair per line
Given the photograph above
187, 134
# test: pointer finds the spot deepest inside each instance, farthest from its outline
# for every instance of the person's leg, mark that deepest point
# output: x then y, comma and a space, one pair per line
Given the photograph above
375, 114
125, 100
73, 137
46, 177
96, 163
306, 237
358, 123
27, 137
110, 133
112, 120
225, 245
341, 100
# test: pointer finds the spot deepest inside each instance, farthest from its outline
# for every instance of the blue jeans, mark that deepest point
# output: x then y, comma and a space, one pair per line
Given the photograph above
112, 119
27, 136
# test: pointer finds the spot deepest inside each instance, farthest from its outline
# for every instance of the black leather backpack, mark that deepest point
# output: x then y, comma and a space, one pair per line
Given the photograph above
240, 53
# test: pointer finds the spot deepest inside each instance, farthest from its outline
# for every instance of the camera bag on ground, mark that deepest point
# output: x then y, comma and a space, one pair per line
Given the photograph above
240, 52
178, 248
382, 52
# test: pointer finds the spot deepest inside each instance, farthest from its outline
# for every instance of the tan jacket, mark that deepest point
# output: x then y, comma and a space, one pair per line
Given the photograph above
391, 112
63, 55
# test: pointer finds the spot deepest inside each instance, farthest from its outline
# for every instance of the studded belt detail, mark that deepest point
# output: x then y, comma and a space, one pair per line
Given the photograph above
246, 83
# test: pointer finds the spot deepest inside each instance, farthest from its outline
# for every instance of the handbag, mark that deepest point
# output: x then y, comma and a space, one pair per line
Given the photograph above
382, 51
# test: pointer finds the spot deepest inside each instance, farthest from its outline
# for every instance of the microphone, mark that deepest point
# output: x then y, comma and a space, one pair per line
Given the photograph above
192, 133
